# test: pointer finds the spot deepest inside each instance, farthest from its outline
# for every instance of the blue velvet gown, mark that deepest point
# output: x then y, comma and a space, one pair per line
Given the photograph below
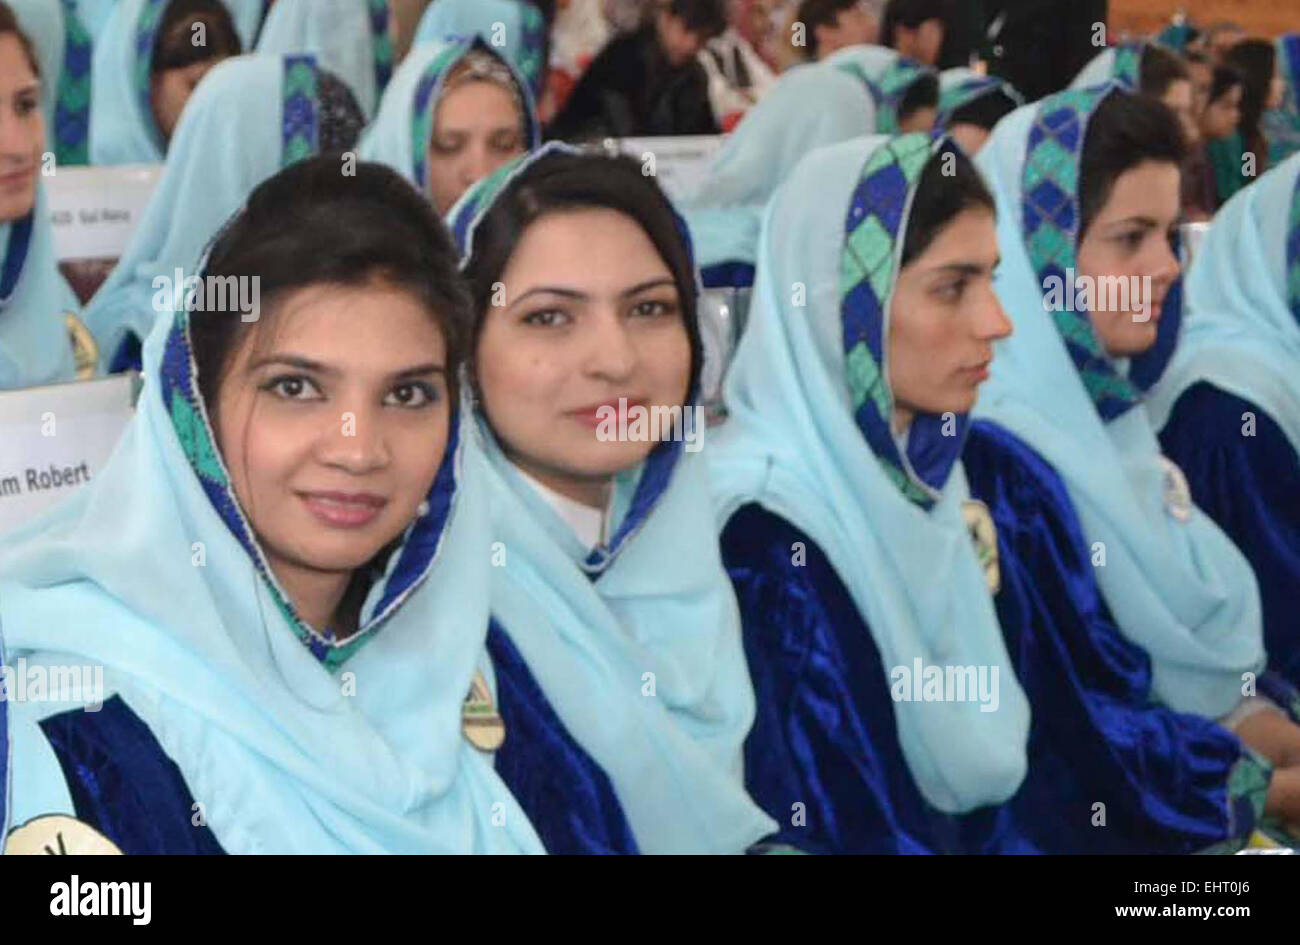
826, 738
125, 786
1250, 486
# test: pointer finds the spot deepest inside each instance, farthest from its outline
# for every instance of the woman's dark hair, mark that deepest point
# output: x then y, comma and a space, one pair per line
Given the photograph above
1256, 59
9, 24
175, 47
1160, 69
939, 198
560, 182
911, 14
708, 18
341, 118
985, 111
1226, 78
312, 225
923, 93
815, 13
1124, 131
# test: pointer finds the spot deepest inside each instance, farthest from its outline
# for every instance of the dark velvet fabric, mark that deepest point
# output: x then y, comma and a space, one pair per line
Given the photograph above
825, 735
1249, 485
123, 784
566, 795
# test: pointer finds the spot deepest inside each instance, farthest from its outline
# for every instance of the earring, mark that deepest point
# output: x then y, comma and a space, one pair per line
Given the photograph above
422, 509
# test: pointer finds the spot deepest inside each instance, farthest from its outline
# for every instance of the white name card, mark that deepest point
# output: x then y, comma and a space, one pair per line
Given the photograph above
95, 210
53, 440
680, 161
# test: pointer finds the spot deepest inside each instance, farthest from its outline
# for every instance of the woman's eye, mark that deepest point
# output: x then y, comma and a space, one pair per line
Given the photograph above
27, 105
412, 395
546, 318
951, 291
506, 143
652, 308
293, 388
446, 146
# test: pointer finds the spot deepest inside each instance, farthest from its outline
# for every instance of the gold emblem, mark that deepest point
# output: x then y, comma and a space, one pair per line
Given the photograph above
84, 350
984, 535
59, 835
481, 722
1178, 494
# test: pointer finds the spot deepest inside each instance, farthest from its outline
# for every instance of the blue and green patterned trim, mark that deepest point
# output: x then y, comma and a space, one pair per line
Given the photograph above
300, 124
1127, 68
889, 91
1050, 223
976, 87
382, 45
146, 35
531, 59
869, 265
72, 104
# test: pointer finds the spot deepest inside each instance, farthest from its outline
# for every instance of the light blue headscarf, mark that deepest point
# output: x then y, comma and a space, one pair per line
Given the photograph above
247, 17
284, 753
401, 132
591, 623
886, 75
35, 301
1122, 63
94, 15
960, 86
1242, 328
809, 439
1178, 588
514, 28
122, 126
249, 117
777, 132
349, 38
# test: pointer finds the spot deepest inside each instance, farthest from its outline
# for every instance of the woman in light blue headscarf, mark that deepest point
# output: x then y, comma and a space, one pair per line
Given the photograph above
905, 92
453, 114
260, 628
1228, 407
615, 632
145, 67
252, 116
94, 15
514, 28
248, 16
971, 105
41, 339
1121, 64
884, 550
63, 47
350, 38
1087, 187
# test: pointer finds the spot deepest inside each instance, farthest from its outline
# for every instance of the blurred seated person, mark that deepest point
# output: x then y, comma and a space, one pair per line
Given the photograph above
648, 82
738, 76
915, 28
831, 25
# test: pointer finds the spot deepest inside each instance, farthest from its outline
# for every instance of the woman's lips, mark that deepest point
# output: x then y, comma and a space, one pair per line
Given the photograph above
344, 509
596, 414
15, 180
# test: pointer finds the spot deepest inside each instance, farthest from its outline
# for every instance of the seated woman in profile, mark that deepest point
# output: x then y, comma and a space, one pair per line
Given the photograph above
935, 668
146, 66
453, 114
1228, 407
281, 578
616, 642
41, 339
1087, 186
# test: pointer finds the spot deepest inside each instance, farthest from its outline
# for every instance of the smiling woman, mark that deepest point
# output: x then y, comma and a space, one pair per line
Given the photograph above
289, 554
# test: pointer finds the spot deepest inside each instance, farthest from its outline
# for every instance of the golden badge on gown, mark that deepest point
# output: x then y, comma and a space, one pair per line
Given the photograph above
481, 722
984, 536
59, 835
84, 350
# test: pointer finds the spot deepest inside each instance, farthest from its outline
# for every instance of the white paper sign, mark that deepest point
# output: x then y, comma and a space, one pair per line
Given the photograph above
53, 440
679, 162
95, 210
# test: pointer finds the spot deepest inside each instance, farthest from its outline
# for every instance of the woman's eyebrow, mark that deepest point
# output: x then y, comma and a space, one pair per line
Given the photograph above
419, 370
294, 360
1139, 220
648, 284
578, 295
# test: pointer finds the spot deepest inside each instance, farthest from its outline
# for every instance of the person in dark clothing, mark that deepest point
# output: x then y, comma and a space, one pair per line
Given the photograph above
1040, 45
916, 28
648, 82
